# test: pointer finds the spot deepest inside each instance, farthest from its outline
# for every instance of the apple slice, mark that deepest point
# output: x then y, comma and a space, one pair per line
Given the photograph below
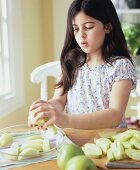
124, 136
15, 148
118, 150
28, 153
133, 154
36, 146
104, 144
110, 156
5, 139
137, 136
92, 150
113, 148
12, 153
127, 145
135, 143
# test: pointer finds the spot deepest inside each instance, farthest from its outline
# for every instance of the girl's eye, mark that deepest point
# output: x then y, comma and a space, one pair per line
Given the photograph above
75, 29
88, 28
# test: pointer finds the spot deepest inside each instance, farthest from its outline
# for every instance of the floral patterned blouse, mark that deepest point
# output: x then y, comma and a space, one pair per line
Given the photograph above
92, 89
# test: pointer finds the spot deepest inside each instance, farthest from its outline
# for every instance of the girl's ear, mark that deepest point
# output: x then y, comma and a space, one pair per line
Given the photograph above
108, 28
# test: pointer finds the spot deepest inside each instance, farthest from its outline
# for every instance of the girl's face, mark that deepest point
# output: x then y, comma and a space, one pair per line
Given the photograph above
89, 33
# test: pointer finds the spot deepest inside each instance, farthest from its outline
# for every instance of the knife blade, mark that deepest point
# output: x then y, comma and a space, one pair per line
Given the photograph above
123, 165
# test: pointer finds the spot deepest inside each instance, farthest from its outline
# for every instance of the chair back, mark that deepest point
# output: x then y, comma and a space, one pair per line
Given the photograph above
41, 73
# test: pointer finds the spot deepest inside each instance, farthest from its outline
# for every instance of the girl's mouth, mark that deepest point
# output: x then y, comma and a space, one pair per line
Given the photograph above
84, 44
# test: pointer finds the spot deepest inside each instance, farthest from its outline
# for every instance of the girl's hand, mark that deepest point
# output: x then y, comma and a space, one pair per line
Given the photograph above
36, 112
41, 109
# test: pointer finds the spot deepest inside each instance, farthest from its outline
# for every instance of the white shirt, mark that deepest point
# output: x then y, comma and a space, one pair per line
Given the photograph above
92, 89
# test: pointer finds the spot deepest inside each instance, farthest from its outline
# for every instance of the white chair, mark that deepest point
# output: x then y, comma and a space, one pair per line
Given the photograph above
41, 73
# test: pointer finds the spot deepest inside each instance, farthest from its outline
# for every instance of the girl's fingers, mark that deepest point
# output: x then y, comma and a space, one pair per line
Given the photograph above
41, 106
37, 103
41, 116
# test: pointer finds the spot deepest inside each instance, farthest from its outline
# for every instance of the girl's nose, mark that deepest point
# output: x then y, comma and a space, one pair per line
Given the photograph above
82, 34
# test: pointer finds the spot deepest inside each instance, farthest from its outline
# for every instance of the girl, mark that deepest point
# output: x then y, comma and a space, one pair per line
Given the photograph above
97, 71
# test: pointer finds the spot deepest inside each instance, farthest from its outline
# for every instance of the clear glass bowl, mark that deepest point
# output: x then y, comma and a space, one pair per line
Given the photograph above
21, 133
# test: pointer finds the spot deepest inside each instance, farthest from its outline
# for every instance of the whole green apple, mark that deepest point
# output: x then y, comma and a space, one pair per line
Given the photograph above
80, 162
66, 152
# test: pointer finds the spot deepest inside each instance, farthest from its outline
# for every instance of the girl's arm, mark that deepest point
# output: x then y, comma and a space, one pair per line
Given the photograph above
58, 101
107, 118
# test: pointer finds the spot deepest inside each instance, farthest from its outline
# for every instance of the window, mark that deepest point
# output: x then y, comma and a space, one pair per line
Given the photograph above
11, 76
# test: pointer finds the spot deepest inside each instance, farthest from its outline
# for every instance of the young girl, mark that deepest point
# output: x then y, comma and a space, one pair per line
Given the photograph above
98, 73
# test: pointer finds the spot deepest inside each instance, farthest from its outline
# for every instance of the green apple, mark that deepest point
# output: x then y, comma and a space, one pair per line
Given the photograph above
80, 162
66, 152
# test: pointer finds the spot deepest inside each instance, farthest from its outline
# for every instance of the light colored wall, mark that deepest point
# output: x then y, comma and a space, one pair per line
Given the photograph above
34, 54
59, 22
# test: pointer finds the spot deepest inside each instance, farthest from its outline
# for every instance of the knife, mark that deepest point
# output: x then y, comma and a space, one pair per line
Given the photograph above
123, 165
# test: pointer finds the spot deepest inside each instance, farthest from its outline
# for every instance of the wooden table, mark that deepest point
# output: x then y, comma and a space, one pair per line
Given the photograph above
80, 137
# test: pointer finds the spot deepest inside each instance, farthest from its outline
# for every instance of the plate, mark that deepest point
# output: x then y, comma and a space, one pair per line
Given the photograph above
22, 134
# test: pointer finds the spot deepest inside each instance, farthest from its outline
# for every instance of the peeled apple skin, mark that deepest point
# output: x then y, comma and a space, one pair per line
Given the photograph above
66, 152
80, 162
46, 146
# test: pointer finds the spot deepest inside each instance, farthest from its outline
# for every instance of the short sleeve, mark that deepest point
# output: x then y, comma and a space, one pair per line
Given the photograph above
124, 69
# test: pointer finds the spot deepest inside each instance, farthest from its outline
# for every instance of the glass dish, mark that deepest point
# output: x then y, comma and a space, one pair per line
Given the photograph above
21, 134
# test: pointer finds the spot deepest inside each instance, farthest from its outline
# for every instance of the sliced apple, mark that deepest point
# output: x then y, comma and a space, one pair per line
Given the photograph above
133, 154
127, 145
28, 153
124, 136
36, 146
104, 144
110, 156
15, 148
134, 142
12, 153
92, 150
5, 139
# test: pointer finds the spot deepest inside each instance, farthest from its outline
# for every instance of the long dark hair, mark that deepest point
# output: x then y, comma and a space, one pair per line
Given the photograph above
114, 47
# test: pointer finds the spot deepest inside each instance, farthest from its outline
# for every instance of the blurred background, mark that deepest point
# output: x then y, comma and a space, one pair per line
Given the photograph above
32, 33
